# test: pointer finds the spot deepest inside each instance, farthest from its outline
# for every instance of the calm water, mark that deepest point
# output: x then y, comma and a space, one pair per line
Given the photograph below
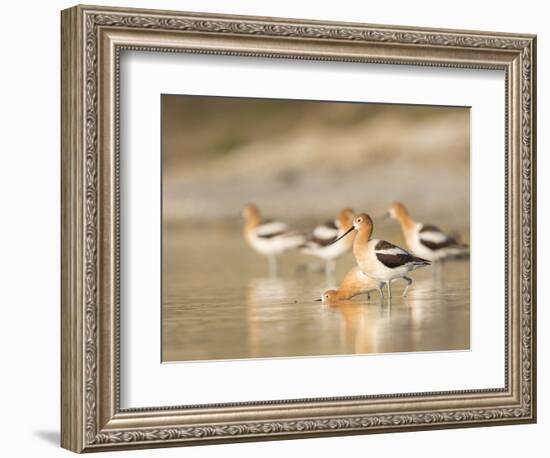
220, 303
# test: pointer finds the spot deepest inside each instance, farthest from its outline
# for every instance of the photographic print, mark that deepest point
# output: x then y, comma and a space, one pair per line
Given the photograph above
295, 228
275, 246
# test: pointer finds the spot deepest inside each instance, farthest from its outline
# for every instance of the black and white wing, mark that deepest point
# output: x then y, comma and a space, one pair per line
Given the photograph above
268, 229
324, 234
434, 238
393, 256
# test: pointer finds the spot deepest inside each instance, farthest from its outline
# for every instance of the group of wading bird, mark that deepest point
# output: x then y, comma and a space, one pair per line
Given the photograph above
379, 262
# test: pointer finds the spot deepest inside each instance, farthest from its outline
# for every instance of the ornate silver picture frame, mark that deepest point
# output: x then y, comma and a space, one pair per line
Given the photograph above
93, 39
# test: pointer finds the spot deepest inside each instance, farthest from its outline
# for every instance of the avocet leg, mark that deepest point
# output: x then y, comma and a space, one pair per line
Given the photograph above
272, 265
330, 268
435, 271
388, 287
381, 292
409, 283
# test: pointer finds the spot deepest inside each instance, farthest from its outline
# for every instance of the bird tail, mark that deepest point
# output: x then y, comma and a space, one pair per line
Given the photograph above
420, 261
461, 251
307, 247
294, 239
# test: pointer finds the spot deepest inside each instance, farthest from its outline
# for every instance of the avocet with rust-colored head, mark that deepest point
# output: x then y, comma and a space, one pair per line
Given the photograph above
379, 259
426, 240
268, 237
355, 282
320, 242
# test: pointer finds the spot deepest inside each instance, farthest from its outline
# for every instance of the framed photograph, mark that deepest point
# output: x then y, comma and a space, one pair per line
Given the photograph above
277, 228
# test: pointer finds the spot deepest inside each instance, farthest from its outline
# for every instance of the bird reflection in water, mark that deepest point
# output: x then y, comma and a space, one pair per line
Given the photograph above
359, 330
260, 296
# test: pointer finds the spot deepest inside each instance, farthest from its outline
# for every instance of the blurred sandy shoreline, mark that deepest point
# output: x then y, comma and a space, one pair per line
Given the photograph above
331, 156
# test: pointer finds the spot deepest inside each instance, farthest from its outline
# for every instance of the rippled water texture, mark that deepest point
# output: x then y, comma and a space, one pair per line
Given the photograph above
220, 303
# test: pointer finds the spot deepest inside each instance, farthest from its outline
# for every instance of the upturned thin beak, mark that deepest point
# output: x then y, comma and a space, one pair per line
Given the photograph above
344, 234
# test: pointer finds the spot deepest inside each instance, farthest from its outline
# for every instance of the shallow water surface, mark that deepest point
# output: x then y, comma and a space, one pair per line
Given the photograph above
220, 303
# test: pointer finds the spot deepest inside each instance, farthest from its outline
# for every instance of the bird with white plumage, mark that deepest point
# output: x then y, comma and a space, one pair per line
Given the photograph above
320, 241
380, 259
267, 237
426, 240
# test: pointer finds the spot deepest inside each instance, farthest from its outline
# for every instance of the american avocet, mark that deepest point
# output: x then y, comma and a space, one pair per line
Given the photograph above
269, 238
354, 283
379, 259
320, 242
426, 240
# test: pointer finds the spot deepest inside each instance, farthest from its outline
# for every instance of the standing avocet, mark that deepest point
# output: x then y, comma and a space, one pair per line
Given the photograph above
425, 240
320, 242
380, 259
354, 283
267, 237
